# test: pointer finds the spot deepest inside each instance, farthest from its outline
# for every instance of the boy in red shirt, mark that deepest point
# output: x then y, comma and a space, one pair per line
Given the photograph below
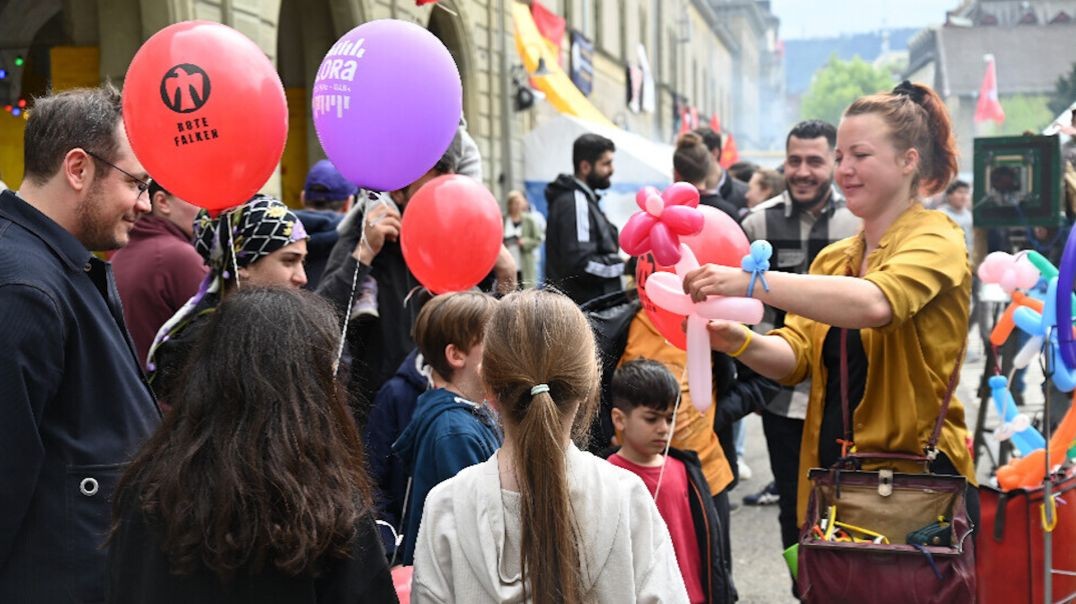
644, 396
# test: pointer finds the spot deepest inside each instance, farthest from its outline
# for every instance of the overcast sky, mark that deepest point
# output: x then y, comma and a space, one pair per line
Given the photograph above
825, 18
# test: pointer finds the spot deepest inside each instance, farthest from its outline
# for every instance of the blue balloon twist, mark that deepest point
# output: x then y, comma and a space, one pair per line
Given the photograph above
757, 263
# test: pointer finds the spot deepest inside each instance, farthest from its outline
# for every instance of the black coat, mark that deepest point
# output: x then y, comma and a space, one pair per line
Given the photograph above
138, 573
707, 525
73, 409
581, 244
740, 390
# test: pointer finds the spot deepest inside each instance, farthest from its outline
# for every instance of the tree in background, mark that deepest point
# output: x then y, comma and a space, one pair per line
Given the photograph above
1025, 112
838, 83
1064, 93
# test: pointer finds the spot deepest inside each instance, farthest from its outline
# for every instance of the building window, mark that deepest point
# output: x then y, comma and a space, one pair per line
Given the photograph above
1061, 18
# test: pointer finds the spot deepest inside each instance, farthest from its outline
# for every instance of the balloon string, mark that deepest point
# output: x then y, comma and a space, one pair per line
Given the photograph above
347, 319
668, 440
231, 249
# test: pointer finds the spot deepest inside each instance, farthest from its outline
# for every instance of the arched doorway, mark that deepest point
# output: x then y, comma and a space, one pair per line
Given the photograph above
48, 44
306, 31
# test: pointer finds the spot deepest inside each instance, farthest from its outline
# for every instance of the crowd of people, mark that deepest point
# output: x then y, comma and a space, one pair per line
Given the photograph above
262, 404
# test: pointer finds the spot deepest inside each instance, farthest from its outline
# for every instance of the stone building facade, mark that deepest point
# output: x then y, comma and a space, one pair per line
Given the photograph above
696, 59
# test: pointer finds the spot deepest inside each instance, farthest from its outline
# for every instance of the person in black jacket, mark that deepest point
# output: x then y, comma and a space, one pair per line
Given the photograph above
369, 246
581, 244
721, 183
255, 488
74, 404
692, 164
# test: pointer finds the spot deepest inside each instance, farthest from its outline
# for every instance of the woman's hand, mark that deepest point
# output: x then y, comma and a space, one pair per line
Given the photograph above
715, 280
726, 336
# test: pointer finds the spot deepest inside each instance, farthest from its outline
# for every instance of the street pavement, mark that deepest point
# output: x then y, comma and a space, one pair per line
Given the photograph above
758, 568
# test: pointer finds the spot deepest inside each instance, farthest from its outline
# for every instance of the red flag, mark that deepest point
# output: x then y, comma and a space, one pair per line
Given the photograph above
421, 2
729, 153
694, 118
685, 120
715, 123
988, 108
549, 24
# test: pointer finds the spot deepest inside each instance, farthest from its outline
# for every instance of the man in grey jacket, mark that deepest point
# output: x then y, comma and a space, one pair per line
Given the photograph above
807, 217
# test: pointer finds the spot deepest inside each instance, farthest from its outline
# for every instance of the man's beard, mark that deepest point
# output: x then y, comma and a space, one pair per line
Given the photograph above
804, 204
95, 231
596, 184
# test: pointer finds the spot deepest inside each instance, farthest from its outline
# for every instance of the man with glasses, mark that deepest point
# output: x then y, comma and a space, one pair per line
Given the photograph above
73, 404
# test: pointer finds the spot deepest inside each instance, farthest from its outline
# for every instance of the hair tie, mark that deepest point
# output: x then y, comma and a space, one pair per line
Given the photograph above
540, 388
906, 88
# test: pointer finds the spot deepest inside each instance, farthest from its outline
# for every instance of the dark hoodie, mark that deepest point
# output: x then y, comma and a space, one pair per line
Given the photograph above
581, 257
393, 408
446, 435
321, 226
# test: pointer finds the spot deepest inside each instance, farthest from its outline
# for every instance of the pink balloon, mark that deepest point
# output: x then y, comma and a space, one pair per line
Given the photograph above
681, 194
699, 378
685, 220
741, 310
993, 266
666, 246
635, 236
644, 194
667, 292
1025, 275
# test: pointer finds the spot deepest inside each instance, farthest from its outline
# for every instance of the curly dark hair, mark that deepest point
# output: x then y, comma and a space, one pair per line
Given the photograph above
260, 462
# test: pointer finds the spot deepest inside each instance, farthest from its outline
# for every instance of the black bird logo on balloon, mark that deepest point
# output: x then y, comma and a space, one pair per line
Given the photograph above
185, 88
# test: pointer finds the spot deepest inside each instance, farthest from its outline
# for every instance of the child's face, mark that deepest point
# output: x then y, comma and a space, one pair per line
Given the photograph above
644, 430
468, 377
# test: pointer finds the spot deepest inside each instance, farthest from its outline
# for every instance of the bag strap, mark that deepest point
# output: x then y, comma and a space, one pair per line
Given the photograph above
931, 448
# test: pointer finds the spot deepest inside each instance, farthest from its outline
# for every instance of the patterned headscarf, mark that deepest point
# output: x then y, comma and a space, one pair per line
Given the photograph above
251, 231
234, 239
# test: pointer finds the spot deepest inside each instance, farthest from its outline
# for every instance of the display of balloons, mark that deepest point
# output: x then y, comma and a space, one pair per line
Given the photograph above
664, 218
1027, 472
451, 233
387, 101
205, 113
721, 241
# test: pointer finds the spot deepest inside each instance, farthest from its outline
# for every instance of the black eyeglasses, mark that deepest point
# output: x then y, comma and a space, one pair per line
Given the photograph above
142, 185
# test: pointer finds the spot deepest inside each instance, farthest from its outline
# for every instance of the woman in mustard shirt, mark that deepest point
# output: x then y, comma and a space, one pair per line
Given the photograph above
901, 288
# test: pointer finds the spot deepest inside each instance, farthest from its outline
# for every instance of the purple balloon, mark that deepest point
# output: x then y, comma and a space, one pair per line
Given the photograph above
387, 102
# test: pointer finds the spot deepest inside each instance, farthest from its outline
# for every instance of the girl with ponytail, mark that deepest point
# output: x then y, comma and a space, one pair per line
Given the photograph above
895, 297
542, 521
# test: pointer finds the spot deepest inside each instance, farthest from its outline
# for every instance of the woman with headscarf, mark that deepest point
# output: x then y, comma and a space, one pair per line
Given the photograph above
260, 243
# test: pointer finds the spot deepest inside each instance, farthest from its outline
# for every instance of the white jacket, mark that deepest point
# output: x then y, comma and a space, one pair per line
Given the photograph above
468, 542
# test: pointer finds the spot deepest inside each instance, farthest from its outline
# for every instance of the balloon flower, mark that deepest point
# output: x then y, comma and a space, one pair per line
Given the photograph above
661, 228
665, 217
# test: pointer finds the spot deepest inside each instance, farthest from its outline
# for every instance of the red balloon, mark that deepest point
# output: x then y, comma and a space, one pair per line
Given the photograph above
451, 233
721, 241
205, 113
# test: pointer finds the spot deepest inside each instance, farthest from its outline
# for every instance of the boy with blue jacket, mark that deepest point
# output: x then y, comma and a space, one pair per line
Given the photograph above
451, 428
